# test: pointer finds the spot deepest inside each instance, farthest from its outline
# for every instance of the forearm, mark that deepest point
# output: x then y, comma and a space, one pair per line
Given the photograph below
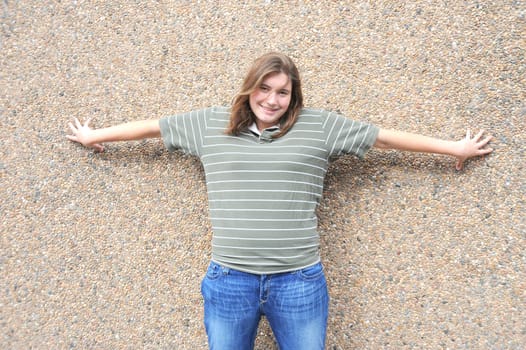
392, 139
135, 130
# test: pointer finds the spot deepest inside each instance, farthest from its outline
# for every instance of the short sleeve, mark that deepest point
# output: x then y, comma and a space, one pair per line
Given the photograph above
184, 131
347, 136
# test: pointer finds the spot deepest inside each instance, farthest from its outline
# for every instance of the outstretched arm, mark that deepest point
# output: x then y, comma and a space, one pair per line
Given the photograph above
93, 138
463, 149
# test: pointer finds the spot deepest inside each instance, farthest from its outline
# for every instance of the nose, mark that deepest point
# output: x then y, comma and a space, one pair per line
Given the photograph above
271, 98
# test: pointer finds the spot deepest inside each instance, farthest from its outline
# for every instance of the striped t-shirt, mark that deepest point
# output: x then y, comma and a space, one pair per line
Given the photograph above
263, 192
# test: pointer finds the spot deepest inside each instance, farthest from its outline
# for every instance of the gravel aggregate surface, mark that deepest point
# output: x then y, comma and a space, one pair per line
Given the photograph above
107, 251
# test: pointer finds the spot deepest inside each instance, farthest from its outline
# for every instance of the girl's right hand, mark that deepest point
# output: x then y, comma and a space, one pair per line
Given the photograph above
82, 134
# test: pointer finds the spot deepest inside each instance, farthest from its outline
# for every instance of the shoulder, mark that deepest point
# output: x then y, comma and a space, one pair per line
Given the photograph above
321, 114
221, 110
217, 112
310, 120
313, 112
318, 116
218, 115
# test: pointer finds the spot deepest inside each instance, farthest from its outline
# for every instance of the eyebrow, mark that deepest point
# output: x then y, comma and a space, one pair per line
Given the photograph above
268, 86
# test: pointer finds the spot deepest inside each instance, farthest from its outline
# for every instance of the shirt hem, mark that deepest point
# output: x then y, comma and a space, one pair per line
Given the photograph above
270, 272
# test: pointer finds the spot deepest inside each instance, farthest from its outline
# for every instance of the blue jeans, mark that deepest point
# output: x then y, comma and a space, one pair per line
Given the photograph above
295, 304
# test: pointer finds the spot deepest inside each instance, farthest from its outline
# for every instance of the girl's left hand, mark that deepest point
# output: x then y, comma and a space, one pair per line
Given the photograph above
472, 147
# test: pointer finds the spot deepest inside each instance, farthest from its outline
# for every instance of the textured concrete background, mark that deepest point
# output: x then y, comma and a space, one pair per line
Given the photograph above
106, 251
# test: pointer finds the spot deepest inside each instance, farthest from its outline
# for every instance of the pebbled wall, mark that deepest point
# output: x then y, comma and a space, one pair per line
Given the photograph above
106, 251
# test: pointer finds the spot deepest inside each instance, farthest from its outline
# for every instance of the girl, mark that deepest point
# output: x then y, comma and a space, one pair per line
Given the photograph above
265, 159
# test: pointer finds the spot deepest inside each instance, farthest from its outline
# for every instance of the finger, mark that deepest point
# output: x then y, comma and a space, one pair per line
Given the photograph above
86, 124
77, 124
484, 141
72, 138
468, 135
487, 139
484, 151
98, 147
459, 164
72, 128
479, 135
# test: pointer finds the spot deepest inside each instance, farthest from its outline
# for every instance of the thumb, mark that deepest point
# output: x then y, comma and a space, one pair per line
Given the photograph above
459, 164
98, 147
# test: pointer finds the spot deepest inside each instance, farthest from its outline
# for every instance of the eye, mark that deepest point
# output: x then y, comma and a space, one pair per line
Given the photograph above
284, 92
264, 88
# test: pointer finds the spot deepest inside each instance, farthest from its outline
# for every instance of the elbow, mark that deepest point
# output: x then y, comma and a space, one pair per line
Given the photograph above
381, 144
382, 140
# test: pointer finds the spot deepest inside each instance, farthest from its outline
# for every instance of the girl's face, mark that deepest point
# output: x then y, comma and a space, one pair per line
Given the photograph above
271, 99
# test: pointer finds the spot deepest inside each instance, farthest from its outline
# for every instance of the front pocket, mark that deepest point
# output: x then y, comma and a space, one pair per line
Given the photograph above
214, 271
311, 273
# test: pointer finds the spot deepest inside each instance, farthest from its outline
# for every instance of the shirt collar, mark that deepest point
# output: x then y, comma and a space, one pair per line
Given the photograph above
254, 128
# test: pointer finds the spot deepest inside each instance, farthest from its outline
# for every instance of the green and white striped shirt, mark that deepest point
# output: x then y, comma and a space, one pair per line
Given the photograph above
263, 192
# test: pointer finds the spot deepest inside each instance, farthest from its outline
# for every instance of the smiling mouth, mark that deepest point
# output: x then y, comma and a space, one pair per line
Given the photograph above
269, 110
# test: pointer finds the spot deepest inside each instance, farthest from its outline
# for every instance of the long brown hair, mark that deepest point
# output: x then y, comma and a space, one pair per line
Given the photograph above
241, 116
